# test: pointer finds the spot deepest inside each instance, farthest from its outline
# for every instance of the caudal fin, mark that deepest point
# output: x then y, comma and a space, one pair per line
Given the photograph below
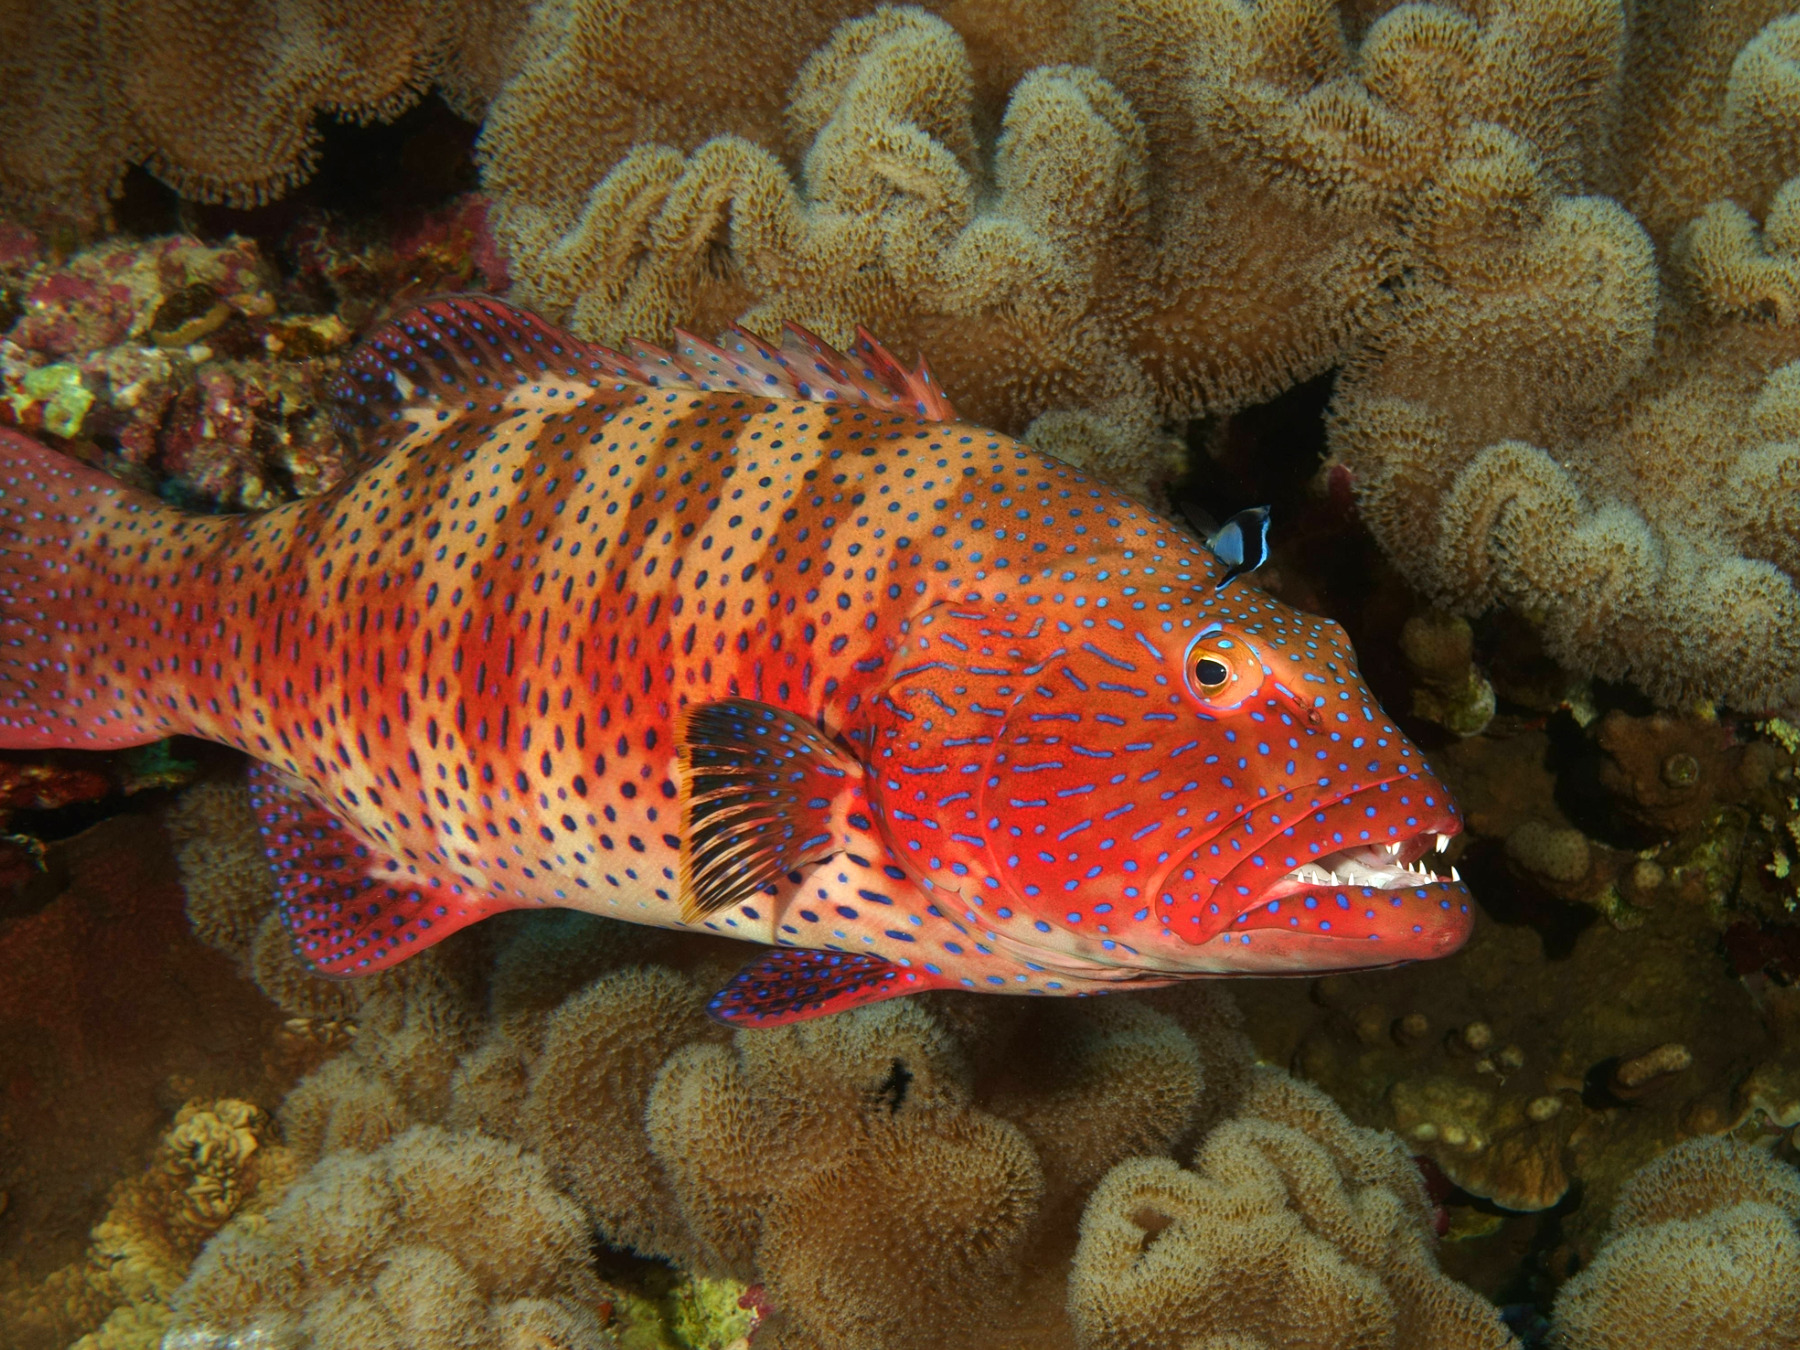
88, 575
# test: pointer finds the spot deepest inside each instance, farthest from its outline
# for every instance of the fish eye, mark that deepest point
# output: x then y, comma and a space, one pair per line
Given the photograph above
1222, 670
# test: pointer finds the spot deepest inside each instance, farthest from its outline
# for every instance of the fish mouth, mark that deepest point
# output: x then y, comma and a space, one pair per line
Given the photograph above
1359, 908
1356, 882
1383, 867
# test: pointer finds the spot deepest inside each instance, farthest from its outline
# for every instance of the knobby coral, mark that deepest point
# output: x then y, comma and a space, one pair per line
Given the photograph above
1704, 1253
219, 97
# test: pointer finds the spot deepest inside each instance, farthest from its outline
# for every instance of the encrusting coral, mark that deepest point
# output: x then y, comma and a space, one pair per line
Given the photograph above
1704, 1254
218, 97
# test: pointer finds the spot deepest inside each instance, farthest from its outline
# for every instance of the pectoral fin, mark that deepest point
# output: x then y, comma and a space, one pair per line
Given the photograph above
762, 794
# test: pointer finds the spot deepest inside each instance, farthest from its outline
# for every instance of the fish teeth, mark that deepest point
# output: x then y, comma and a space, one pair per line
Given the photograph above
1454, 875
1443, 842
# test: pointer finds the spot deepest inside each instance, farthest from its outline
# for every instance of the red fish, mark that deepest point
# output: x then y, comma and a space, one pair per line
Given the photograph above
755, 640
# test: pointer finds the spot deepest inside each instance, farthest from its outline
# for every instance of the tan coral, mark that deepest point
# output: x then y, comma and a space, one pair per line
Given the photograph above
849, 1254
220, 97
1704, 1253
618, 1032
1714, 111
217, 1160
343, 1106
1502, 1147
1295, 1228
224, 868
1209, 207
231, 899
436, 1241
1542, 432
797, 1156
1590, 418
1091, 1086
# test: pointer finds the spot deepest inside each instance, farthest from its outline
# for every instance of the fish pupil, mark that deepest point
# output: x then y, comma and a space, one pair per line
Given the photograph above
1210, 673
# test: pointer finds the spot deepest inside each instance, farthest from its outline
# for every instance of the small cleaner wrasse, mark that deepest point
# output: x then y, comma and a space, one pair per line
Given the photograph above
759, 640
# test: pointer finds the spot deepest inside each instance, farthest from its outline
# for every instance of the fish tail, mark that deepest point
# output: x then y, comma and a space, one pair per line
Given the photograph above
90, 571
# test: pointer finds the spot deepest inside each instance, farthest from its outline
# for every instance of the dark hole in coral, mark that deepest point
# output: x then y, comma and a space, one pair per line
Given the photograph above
1576, 759
893, 1088
720, 265
1596, 1086
1324, 560
382, 173
1773, 949
1548, 1259
181, 309
1262, 456
621, 1267
12, 308
1399, 283
1527, 1293
1510, 899
1154, 1223
1526, 678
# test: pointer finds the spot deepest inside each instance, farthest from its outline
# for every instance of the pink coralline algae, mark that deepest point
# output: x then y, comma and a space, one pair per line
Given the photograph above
197, 369
169, 361
448, 250
111, 293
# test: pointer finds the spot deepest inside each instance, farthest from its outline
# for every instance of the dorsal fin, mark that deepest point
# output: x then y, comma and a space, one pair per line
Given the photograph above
465, 352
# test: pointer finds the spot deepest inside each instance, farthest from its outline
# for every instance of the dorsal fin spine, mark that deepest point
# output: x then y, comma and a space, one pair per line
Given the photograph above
452, 347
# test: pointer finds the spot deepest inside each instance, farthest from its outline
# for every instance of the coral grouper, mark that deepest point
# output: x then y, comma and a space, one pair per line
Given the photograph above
754, 640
